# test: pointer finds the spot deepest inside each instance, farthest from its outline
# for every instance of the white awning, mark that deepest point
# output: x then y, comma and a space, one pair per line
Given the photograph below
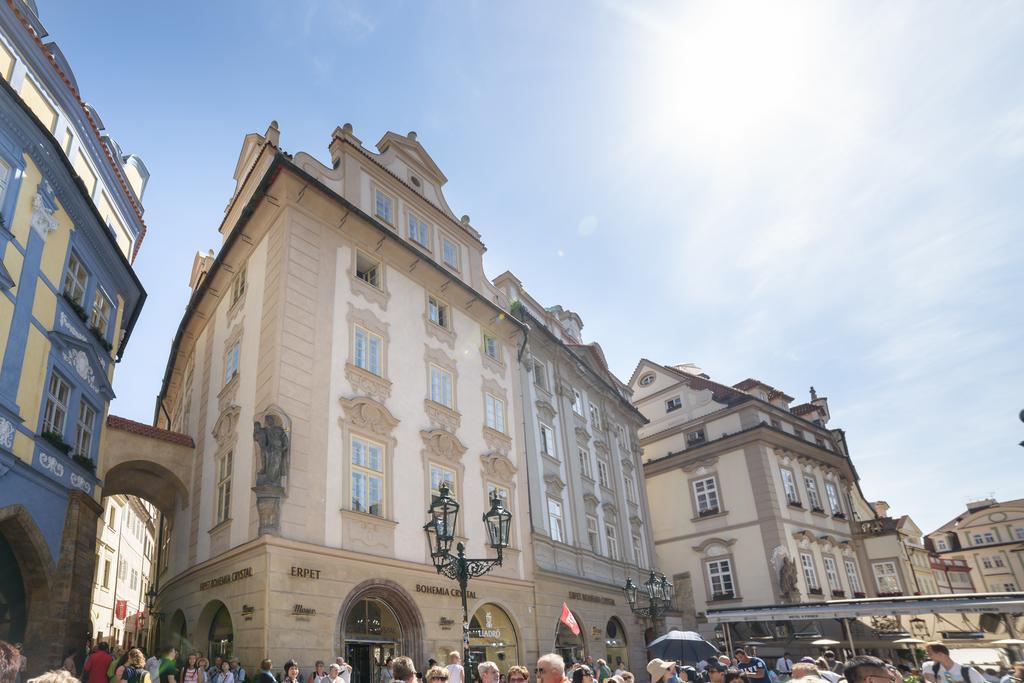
964, 603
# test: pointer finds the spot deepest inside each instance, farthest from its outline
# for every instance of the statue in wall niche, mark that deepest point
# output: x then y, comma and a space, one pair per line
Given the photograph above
787, 580
272, 440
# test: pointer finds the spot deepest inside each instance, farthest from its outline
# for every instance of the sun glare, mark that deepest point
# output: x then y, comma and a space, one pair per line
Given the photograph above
726, 71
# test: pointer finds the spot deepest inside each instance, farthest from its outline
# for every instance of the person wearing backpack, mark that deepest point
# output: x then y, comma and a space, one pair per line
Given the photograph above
134, 670
944, 670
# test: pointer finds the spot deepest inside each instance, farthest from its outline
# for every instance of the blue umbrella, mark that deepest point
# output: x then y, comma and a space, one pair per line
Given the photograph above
682, 646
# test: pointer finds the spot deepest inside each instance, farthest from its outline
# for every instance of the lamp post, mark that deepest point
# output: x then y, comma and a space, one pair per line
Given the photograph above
444, 513
658, 592
153, 615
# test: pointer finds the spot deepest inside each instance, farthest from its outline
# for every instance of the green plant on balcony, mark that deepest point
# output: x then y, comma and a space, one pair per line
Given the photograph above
57, 441
98, 333
85, 462
75, 306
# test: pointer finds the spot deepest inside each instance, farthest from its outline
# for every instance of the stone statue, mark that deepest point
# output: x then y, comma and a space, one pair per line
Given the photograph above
273, 442
787, 580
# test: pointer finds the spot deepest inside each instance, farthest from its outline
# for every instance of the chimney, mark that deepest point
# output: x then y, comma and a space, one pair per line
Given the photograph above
881, 508
201, 265
821, 403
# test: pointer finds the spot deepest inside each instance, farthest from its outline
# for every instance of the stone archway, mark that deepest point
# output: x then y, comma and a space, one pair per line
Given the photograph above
177, 634
215, 617
35, 566
400, 602
153, 464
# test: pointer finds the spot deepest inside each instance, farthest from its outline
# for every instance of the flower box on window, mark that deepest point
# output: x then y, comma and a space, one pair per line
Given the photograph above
796, 504
814, 591
819, 510
859, 594
84, 462
838, 594
839, 515
725, 595
57, 441
707, 512
76, 307
100, 338
891, 594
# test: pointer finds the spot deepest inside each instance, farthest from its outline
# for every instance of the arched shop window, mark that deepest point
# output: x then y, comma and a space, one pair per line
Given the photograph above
492, 637
372, 634
572, 647
222, 635
616, 647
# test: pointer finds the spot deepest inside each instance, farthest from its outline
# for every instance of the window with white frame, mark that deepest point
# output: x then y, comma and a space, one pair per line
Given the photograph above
853, 576
384, 207
577, 402
584, 457
832, 574
84, 427
593, 535
438, 312
238, 285
503, 494
5, 178
983, 538
231, 362
495, 412
810, 572
1018, 533
941, 544
673, 404
638, 551
441, 387
595, 416
705, 491
439, 475
224, 469
419, 232
886, 577
367, 476
555, 521
613, 541
1010, 587
997, 561
368, 270
55, 413
832, 493
450, 253
540, 374
547, 441
491, 347
75, 279
812, 492
368, 350
720, 579
789, 485
101, 310
630, 489
602, 473
986, 562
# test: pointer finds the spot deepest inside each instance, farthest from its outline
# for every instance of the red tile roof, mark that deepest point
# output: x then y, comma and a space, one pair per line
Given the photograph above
125, 425
773, 393
719, 392
804, 408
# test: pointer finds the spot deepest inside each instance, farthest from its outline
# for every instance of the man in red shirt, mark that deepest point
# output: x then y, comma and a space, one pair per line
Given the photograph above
96, 665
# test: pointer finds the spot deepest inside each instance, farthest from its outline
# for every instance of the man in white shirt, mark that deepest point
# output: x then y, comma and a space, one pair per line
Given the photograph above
784, 667
344, 669
942, 668
455, 671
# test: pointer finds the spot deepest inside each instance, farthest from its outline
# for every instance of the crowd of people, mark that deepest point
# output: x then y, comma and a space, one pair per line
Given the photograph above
131, 666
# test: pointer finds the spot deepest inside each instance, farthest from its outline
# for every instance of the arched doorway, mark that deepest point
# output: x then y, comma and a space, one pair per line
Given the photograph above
378, 620
214, 632
177, 633
616, 647
492, 637
13, 602
25, 581
572, 647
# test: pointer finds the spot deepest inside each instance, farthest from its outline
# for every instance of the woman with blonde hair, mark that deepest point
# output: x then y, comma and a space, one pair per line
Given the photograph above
436, 674
134, 669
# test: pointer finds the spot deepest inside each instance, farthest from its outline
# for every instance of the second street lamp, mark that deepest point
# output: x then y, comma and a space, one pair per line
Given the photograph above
658, 592
444, 514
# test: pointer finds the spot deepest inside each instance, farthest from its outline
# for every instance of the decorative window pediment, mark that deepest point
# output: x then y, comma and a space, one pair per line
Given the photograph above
224, 430
712, 547
582, 435
443, 444
591, 501
369, 415
554, 484
83, 363
703, 463
545, 409
498, 467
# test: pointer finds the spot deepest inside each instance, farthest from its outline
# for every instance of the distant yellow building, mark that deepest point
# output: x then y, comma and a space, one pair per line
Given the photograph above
70, 225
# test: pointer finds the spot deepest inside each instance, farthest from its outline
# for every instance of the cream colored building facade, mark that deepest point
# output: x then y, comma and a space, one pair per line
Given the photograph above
989, 537
125, 548
348, 306
588, 506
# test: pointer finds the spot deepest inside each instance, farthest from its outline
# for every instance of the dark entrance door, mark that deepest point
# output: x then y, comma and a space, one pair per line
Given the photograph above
13, 607
358, 656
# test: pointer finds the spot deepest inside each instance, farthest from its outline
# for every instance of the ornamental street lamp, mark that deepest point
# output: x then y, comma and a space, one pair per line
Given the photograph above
658, 592
444, 513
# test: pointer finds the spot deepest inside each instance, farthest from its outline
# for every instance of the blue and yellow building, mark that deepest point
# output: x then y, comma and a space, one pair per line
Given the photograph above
70, 226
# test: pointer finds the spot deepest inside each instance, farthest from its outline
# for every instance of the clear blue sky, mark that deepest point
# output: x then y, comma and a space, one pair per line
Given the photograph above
807, 193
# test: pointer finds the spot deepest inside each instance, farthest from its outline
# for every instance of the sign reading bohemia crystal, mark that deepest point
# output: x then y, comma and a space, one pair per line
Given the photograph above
587, 597
227, 578
443, 590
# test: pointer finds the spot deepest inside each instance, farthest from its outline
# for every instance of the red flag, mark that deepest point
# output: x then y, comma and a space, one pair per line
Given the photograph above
569, 620
121, 609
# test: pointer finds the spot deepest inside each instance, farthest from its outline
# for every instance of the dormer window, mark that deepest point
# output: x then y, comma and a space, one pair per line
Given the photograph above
384, 207
647, 379
419, 232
